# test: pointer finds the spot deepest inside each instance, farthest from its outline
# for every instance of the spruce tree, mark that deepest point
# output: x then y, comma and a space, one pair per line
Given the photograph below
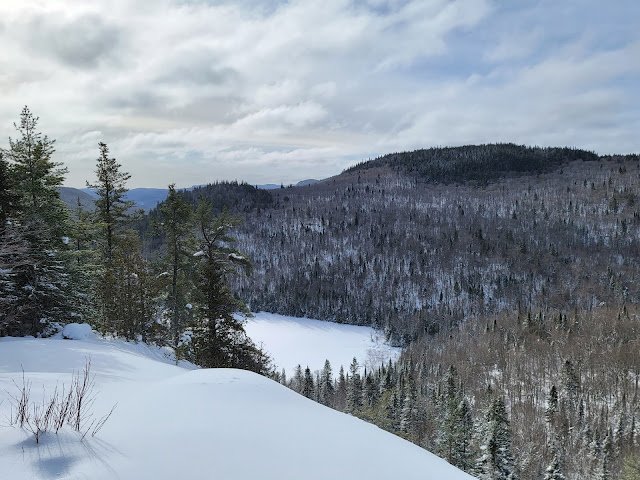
36, 280
220, 338
354, 388
326, 385
308, 388
176, 225
111, 204
8, 197
112, 220
496, 461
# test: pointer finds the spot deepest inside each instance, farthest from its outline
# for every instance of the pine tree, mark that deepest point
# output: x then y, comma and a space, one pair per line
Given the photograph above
136, 292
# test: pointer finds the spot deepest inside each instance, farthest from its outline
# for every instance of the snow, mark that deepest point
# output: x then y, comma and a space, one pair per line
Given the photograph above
291, 341
77, 331
179, 422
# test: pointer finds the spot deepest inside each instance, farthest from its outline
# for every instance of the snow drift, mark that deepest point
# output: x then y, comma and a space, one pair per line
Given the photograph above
175, 422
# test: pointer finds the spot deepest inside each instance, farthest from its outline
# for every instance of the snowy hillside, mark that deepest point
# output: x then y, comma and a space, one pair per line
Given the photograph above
174, 422
291, 341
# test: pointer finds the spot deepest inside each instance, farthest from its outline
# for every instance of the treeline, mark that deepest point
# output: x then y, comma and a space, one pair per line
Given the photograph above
478, 163
531, 395
59, 266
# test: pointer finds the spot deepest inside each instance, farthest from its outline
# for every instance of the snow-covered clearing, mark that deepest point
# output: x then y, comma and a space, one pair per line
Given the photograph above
291, 341
176, 422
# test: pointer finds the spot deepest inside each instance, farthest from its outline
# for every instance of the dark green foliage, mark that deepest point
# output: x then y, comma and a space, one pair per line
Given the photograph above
129, 290
219, 337
308, 387
480, 163
455, 425
111, 206
236, 197
8, 196
354, 388
176, 225
327, 389
36, 176
35, 275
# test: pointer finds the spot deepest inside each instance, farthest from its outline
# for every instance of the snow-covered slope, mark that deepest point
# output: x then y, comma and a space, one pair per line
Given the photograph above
291, 341
172, 422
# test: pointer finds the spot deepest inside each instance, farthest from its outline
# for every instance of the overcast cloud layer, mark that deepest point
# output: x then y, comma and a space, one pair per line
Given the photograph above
196, 91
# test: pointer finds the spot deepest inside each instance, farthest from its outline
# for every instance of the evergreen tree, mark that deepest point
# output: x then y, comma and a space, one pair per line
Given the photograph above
112, 221
554, 470
176, 225
136, 292
340, 397
298, 379
36, 281
308, 387
8, 197
111, 204
370, 391
608, 457
496, 462
220, 339
37, 176
326, 385
552, 403
354, 388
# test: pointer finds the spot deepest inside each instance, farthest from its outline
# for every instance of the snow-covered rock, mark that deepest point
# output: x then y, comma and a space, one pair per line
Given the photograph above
77, 331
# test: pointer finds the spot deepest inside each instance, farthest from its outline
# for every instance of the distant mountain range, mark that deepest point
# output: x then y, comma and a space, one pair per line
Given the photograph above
144, 198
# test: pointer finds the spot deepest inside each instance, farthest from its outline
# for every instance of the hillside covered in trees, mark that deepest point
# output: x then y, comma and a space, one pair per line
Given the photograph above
525, 284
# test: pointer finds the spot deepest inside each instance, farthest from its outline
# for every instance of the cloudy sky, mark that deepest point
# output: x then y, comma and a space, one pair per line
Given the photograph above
193, 91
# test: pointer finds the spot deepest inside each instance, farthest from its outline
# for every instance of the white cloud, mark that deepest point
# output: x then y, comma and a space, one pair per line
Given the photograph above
190, 91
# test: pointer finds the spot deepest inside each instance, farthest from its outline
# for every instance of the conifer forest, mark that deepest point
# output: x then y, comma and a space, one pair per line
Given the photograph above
508, 274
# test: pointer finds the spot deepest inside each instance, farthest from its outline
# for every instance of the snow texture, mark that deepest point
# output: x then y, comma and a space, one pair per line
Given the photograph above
176, 422
77, 331
291, 341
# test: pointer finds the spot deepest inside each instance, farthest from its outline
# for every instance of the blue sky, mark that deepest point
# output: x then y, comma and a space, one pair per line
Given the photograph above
197, 91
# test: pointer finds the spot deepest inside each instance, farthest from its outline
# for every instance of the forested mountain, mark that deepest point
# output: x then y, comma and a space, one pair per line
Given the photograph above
374, 246
521, 275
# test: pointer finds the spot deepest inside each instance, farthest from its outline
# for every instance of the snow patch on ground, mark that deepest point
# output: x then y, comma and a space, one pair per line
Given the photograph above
291, 341
172, 422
